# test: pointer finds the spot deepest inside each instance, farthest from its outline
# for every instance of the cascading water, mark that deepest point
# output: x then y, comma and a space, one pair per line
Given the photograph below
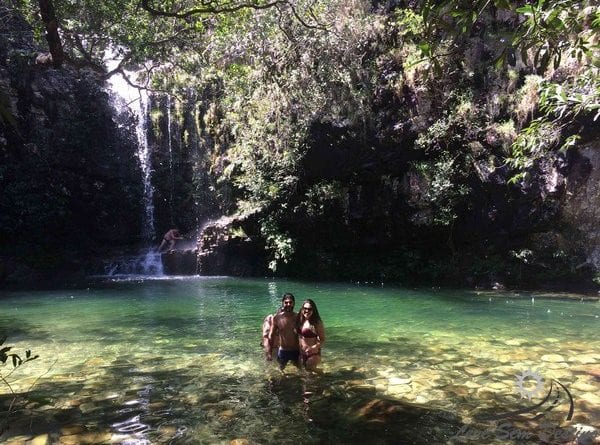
170, 147
136, 100
141, 110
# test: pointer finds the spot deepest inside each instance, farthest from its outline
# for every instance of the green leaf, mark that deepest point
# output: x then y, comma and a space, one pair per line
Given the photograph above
526, 10
503, 4
545, 60
500, 60
557, 58
551, 15
425, 48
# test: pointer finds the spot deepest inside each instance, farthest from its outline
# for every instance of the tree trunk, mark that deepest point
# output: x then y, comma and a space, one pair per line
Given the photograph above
52, 36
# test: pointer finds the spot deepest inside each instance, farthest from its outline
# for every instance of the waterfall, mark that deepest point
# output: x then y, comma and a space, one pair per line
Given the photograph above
170, 147
141, 111
136, 100
152, 263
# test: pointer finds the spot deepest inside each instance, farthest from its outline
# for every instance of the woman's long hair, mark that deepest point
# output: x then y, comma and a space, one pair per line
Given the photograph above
314, 317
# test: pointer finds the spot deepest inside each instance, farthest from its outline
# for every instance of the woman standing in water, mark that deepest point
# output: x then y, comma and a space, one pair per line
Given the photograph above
311, 333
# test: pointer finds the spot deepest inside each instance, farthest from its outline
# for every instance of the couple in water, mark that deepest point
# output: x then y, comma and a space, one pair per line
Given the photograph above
294, 337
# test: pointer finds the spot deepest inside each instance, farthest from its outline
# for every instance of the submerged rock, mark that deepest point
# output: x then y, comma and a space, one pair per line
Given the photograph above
42, 439
553, 358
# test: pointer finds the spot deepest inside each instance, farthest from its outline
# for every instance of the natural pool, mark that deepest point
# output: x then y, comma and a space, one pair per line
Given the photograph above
178, 361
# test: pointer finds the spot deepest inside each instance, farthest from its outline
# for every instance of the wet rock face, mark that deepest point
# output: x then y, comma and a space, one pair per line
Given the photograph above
222, 253
183, 262
186, 189
68, 170
221, 250
581, 208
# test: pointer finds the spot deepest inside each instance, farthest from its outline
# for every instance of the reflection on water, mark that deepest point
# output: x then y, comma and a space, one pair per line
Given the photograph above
178, 361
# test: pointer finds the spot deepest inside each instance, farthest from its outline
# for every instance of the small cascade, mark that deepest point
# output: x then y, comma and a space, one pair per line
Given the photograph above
147, 263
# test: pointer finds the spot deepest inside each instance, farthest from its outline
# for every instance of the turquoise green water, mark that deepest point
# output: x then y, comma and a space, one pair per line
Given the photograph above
178, 361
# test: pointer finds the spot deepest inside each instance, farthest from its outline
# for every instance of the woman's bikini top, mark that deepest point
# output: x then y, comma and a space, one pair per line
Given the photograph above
307, 333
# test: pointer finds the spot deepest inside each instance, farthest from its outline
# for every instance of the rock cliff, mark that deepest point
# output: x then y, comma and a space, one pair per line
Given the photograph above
66, 164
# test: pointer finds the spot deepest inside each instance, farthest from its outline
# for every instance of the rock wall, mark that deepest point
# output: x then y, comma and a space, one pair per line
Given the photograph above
224, 249
69, 175
186, 194
581, 207
180, 262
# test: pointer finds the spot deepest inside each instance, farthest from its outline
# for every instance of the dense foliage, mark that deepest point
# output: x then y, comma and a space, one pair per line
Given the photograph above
386, 134
11, 360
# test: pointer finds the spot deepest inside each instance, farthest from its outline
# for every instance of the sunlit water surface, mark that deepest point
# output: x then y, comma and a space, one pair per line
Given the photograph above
178, 361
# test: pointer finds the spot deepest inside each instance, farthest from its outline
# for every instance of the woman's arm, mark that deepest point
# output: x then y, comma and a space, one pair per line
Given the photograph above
321, 332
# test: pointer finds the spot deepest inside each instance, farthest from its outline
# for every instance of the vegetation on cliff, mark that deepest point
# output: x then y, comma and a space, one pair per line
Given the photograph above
398, 140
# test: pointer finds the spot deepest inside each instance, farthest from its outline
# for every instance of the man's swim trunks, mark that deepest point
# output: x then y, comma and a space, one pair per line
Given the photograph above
284, 356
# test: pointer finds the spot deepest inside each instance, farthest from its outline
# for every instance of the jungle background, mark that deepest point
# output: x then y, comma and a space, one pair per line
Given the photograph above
445, 143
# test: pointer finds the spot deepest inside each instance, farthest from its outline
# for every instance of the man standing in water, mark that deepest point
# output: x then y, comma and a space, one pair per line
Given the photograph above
284, 326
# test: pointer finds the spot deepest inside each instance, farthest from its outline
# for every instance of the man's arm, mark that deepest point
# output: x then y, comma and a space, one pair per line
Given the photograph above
270, 338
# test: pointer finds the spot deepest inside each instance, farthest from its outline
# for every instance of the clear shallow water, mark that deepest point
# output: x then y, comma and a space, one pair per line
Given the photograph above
178, 361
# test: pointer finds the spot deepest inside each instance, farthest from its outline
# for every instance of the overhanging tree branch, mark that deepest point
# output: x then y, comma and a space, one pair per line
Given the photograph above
304, 23
208, 8
149, 69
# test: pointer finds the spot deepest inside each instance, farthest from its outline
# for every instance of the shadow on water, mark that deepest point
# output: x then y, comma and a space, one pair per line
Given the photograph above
13, 331
123, 402
339, 408
190, 405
